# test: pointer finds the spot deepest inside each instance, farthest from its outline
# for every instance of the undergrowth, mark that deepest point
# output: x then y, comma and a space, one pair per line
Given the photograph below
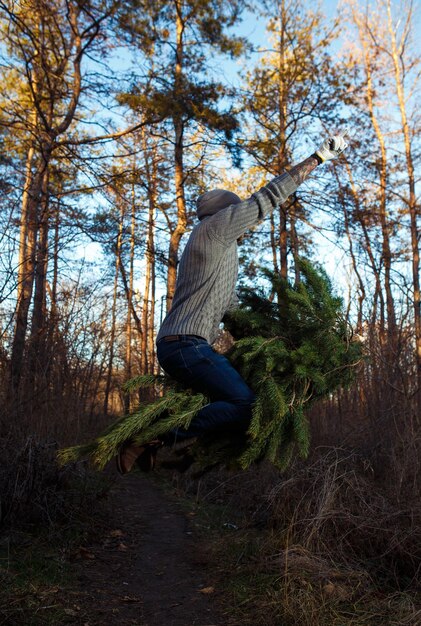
46, 515
326, 544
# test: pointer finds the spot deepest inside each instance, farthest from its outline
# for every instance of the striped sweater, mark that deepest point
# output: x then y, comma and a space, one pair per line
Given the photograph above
208, 268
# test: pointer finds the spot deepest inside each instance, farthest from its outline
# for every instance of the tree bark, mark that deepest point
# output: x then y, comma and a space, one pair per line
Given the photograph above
181, 223
114, 311
128, 356
148, 311
378, 293
282, 152
27, 275
273, 244
412, 200
364, 30
41, 262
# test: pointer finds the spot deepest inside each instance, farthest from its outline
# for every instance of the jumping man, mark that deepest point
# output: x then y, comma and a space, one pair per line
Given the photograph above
205, 291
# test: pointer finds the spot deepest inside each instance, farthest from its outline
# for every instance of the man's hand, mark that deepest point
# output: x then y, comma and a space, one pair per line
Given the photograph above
331, 148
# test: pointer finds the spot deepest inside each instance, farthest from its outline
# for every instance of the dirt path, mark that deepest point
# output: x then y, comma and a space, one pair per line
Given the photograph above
146, 567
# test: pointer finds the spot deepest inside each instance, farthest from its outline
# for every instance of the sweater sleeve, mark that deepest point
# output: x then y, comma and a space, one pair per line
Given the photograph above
229, 224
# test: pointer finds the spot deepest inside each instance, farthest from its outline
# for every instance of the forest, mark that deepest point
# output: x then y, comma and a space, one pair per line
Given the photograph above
114, 117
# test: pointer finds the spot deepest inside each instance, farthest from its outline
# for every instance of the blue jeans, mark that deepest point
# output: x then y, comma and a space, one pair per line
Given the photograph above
192, 362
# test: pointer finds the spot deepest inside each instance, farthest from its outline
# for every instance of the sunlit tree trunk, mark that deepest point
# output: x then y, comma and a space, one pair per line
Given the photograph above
150, 348
39, 311
282, 151
354, 260
27, 274
151, 319
145, 316
368, 54
274, 244
53, 318
111, 353
397, 52
128, 356
181, 224
294, 242
23, 229
148, 311
355, 268
378, 293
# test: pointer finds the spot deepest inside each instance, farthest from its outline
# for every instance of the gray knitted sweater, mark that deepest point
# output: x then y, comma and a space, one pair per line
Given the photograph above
208, 268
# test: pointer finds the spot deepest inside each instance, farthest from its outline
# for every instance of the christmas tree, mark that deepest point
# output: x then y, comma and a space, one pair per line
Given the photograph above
292, 346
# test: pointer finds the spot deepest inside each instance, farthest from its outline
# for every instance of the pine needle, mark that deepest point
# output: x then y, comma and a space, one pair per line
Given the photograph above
290, 351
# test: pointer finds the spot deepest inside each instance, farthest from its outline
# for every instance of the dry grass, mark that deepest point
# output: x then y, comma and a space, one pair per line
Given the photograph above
345, 551
34, 490
45, 510
328, 544
336, 506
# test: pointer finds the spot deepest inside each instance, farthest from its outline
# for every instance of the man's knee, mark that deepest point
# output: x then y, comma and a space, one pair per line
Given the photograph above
246, 399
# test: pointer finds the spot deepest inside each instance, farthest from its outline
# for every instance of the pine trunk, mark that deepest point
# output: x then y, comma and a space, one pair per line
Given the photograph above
128, 356
385, 223
273, 244
378, 293
361, 288
181, 224
29, 222
282, 152
412, 200
114, 312
39, 312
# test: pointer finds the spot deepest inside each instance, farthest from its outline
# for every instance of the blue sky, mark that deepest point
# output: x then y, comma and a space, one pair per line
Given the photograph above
329, 253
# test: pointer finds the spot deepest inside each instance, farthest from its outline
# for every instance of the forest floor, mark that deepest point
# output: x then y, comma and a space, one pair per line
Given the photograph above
146, 564
172, 550
139, 557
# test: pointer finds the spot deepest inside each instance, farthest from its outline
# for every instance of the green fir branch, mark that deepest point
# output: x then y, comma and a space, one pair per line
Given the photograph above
290, 351
142, 382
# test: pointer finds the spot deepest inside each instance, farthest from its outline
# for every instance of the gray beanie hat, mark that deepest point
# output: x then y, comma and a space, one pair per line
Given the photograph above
213, 201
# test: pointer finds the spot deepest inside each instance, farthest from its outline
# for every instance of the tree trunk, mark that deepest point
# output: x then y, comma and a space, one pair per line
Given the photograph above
283, 241
294, 241
39, 315
181, 224
378, 294
23, 230
29, 222
128, 357
412, 200
114, 311
53, 320
382, 170
145, 315
148, 311
282, 155
151, 320
361, 288
151, 254
273, 244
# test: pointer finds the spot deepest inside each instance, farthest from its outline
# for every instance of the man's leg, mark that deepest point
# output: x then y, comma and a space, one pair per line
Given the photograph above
195, 364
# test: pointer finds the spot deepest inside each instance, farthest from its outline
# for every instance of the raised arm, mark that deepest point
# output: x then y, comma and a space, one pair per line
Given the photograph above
229, 224
302, 170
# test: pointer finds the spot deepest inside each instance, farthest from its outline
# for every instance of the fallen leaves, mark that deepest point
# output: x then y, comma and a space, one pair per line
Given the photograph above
85, 553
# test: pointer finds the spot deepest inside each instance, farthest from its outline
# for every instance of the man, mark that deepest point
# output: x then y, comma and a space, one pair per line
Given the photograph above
205, 290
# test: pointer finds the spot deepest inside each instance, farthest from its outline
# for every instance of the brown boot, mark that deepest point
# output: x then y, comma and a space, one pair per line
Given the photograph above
143, 456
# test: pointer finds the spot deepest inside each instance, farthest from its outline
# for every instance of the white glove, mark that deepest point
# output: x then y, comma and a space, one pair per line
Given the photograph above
332, 147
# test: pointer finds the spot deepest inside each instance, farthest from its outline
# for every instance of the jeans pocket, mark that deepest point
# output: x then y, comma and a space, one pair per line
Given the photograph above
185, 363
172, 362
